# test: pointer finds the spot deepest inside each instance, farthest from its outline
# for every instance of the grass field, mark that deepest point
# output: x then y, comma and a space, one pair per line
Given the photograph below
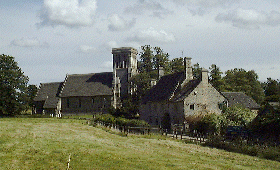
46, 143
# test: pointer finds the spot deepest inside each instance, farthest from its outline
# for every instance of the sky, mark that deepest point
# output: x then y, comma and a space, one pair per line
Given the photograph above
52, 38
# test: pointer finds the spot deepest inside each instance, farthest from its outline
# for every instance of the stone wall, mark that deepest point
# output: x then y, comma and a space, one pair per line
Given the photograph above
155, 112
204, 99
75, 105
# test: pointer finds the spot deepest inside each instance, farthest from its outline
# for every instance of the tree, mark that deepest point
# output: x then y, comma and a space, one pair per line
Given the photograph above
13, 87
146, 56
177, 65
197, 71
31, 92
216, 77
237, 116
240, 80
272, 90
160, 59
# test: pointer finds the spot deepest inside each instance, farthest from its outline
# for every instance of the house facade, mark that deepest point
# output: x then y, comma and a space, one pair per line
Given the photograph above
179, 98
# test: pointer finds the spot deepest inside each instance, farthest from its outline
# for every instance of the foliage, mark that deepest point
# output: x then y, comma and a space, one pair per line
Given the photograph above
13, 87
237, 116
217, 124
240, 80
151, 58
215, 77
177, 65
128, 110
210, 124
110, 119
267, 123
267, 152
31, 92
142, 84
272, 90
197, 71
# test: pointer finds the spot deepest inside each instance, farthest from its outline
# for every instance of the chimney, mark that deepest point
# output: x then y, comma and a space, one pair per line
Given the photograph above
160, 72
204, 76
188, 68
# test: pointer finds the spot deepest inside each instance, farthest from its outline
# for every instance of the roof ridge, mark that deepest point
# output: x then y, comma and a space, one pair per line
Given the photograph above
88, 73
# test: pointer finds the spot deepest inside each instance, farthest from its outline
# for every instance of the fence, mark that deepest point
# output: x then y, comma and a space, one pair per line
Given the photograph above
177, 132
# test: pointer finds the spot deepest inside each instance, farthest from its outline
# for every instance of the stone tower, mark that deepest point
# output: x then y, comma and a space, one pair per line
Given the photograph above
124, 67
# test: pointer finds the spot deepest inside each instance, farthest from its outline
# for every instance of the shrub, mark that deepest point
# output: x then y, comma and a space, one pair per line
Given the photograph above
208, 124
109, 119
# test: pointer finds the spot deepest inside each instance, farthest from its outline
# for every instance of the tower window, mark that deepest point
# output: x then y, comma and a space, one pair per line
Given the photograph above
192, 106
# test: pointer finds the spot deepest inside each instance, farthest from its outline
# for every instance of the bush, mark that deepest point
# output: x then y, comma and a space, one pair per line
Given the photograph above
208, 124
105, 118
267, 152
109, 119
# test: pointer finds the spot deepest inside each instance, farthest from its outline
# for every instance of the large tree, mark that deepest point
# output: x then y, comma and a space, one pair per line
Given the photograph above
272, 90
240, 80
13, 87
177, 65
215, 77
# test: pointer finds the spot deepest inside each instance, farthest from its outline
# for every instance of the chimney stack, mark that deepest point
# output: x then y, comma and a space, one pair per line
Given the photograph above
188, 68
204, 75
160, 72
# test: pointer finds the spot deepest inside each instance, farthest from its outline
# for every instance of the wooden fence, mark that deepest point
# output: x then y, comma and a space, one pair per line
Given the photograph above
176, 132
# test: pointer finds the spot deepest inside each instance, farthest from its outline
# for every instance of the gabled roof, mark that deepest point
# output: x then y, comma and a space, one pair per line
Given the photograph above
164, 89
169, 88
235, 98
93, 84
186, 90
49, 92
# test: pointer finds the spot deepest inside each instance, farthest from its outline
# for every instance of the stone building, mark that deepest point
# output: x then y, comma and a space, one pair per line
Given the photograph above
86, 93
47, 100
178, 98
90, 93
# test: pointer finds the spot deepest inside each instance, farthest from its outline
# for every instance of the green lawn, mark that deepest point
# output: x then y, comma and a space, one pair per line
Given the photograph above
46, 143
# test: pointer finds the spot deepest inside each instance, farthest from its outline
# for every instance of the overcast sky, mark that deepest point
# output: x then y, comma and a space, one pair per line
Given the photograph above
52, 38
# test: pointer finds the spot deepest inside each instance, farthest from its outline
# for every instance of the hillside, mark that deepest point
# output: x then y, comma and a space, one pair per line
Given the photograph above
47, 144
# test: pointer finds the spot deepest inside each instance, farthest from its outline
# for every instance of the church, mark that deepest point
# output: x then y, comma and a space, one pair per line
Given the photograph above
89, 93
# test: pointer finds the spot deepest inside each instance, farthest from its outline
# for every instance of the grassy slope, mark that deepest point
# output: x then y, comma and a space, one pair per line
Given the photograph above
47, 143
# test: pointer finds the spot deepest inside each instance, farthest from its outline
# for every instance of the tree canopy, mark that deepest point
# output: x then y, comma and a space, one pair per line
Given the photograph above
13, 87
240, 80
272, 90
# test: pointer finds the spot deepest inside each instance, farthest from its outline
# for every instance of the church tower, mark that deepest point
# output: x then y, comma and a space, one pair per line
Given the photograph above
124, 67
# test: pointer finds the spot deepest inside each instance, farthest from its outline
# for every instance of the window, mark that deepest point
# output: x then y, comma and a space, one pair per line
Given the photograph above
92, 101
192, 106
80, 103
68, 103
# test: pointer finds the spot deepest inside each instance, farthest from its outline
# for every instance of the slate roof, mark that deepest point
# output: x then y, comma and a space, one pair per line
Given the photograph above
49, 93
235, 98
186, 90
168, 86
92, 84
164, 88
